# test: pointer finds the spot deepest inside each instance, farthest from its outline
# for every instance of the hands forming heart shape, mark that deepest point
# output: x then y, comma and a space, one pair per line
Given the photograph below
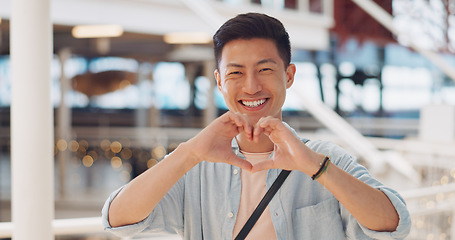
213, 144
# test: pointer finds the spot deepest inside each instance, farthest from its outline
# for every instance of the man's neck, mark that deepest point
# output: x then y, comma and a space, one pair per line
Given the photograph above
264, 144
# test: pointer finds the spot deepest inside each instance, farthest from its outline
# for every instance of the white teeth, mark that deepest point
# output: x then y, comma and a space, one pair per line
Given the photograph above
253, 103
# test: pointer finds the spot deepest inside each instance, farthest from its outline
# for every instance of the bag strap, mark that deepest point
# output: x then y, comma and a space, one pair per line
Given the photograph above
262, 205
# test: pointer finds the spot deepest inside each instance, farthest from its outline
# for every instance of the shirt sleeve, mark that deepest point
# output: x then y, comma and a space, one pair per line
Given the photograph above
404, 224
354, 230
167, 216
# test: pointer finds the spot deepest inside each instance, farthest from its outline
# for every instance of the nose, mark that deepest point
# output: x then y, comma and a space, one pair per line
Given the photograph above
251, 84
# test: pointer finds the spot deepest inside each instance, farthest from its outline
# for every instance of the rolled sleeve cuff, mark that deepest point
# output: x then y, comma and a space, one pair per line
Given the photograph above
404, 224
122, 231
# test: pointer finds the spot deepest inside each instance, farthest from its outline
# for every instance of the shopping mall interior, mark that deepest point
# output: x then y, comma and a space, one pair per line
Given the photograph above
130, 80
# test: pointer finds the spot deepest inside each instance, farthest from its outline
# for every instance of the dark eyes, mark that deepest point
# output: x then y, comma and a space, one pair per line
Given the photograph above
239, 72
265, 69
235, 72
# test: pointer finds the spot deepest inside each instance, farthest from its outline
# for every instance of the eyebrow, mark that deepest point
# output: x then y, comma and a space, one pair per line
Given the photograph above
268, 60
235, 65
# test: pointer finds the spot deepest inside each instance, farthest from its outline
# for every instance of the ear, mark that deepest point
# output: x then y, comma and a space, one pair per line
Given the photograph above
290, 73
218, 78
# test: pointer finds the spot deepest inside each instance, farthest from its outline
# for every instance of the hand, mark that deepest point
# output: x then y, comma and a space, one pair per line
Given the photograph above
289, 152
213, 144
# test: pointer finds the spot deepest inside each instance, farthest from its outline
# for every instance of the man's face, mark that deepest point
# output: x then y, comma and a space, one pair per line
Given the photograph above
253, 79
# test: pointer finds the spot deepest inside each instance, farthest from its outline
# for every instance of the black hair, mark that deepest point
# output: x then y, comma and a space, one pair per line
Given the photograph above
253, 25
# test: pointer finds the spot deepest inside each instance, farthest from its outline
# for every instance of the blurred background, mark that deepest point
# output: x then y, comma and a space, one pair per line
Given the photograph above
131, 79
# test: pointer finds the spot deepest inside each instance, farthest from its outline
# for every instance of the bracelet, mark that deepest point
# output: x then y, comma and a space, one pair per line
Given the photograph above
324, 165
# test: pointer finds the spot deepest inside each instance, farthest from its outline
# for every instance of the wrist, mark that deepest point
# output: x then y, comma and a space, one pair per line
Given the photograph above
314, 165
188, 155
323, 168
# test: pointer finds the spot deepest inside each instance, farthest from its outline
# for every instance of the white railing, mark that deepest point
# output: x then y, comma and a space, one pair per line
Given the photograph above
60, 227
432, 212
84, 226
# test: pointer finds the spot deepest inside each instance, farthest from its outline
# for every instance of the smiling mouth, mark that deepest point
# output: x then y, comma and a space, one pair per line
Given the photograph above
253, 104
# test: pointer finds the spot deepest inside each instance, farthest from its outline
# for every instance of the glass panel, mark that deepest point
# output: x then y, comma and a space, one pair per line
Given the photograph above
290, 4
172, 90
316, 6
202, 85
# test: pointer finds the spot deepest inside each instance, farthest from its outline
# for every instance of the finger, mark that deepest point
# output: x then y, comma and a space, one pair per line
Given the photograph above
266, 164
239, 162
257, 133
248, 126
261, 128
243, 123
276, 130
268, 125
233, 118
234, 121
269, 122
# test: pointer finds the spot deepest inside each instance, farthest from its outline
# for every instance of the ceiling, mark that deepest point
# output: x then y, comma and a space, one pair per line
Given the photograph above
146, 21
140, 46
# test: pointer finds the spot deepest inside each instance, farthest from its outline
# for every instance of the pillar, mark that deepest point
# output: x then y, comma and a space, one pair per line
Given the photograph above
63, 124
153, 111
210, 111
32, 163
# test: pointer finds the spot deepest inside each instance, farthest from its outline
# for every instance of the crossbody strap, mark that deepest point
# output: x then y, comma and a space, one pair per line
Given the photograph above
262, 205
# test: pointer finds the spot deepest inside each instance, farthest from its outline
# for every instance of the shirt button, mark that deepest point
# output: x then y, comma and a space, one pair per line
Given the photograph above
236, 171
230, 214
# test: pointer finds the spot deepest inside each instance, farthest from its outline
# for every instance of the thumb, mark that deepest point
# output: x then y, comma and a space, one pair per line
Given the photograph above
266, 164
239, 162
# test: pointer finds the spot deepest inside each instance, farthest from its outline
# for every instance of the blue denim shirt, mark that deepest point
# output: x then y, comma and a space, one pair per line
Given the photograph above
204, 203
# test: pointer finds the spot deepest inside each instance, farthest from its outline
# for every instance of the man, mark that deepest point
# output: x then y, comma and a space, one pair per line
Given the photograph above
208, 186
